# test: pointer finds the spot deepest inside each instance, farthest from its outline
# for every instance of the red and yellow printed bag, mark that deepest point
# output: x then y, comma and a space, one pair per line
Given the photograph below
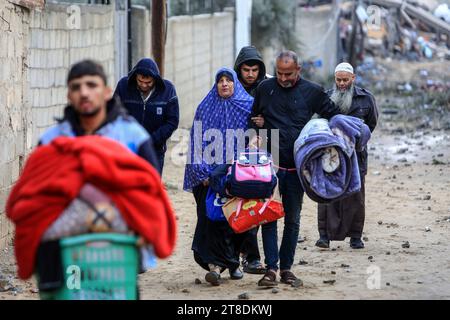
245, 214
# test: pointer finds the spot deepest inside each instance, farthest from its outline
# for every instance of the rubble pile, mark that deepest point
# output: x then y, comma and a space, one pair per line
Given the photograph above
411, 30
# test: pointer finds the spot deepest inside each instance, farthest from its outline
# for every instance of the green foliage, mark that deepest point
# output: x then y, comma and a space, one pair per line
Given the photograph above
274, 21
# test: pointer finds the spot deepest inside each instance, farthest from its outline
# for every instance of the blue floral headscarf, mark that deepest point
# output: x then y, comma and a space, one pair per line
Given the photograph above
215, 112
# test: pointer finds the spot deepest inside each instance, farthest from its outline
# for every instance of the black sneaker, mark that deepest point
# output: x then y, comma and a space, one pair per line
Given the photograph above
356, 243
236, 274
254, 267
323, 242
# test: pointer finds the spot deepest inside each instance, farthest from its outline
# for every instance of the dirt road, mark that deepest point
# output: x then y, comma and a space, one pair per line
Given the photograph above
408, 200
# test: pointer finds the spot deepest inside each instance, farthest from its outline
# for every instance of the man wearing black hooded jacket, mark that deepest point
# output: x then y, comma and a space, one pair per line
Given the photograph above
152, 101
251, 70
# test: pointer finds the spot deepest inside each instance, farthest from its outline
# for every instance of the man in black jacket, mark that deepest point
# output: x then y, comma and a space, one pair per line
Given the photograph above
251, 70
286, 103
347, 215
152, 101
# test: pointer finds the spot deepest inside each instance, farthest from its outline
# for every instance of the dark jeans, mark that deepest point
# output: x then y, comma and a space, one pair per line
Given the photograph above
292, 196
160, 157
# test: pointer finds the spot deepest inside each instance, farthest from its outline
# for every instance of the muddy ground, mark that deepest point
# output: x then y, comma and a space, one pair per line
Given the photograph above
407, 228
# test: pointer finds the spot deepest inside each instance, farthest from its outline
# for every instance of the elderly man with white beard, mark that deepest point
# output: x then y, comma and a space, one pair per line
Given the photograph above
345, 218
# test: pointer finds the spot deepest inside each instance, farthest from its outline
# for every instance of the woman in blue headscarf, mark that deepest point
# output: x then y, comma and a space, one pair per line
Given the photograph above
227, 106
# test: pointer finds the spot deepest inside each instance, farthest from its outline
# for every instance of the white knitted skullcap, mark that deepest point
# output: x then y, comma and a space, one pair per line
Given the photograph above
344, 66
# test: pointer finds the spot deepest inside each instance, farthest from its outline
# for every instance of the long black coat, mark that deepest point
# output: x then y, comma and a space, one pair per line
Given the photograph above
363, 107
345, 218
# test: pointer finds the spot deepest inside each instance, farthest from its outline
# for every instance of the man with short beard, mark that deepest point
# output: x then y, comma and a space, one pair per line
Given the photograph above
286, 103
345, 218
251, 70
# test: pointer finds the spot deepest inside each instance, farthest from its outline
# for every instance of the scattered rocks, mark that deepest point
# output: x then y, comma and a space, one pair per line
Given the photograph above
302, 262
275, 290
405, 245
370, 258
329, 281
244, 296
402, 160
388, 284
380, 222
365, 238
427, 197
398, 131
17, 290
402, 150
185, 290
5, 283
34, 290
437, 162
343, 265
376, 173
389, 111
427, 229
197, 281
388, 253
297, 283
333, 272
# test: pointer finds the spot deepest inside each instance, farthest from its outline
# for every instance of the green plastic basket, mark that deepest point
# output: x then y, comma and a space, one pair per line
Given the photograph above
98, 266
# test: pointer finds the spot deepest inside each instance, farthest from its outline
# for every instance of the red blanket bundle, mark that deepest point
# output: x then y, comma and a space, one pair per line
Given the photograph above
53, 176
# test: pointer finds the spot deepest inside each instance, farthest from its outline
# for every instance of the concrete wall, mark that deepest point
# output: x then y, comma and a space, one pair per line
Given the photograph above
317, 29
196, 47
54, 45
36, 51
140, 33
14, 106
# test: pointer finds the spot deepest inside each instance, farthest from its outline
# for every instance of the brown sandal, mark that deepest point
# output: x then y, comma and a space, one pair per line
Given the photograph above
269, 279
213, 277
288, 277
